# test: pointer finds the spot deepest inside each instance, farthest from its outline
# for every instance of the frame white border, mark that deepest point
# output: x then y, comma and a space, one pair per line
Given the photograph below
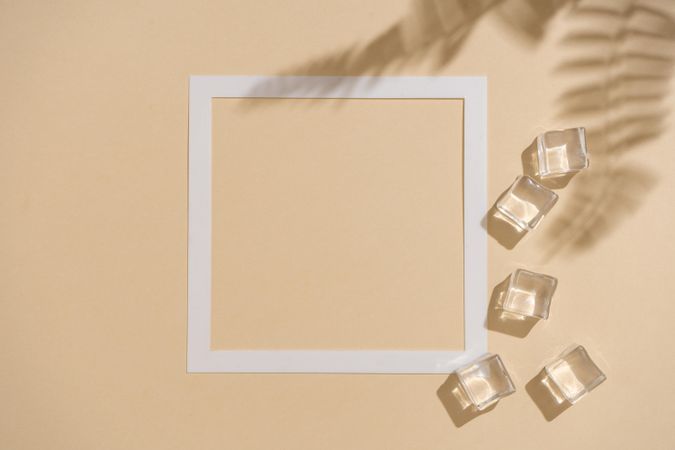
200, 357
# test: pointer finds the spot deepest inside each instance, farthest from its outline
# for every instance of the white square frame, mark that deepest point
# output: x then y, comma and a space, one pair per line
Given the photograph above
200, 357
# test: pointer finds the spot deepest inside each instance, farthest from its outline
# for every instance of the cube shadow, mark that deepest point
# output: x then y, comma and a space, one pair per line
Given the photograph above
501, 229
545, 395
456, 404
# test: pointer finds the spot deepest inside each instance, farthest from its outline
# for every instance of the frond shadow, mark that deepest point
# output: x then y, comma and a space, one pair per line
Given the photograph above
433, 30
619, 95
621, 66
599, 204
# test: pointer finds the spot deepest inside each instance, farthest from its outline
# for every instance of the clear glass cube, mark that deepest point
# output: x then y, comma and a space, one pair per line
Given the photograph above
529, 294
561, 152
485, 381
574, 374
525, 203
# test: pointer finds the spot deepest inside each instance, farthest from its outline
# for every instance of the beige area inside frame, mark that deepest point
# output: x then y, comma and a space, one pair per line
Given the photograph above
337, 224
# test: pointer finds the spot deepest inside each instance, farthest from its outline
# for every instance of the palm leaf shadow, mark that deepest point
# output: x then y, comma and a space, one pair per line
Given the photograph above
619, 94
433, 30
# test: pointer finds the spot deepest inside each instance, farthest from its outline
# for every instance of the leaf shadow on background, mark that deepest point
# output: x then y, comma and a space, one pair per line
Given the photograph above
622, 56
432, 30
456, 404
620, 63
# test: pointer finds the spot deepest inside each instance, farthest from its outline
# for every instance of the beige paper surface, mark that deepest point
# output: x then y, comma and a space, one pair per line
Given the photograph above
337, 224
93, 230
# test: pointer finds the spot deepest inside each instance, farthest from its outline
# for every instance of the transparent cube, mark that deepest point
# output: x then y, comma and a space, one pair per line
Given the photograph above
485, 381
529, 294
574, 374
561, 152
525, 203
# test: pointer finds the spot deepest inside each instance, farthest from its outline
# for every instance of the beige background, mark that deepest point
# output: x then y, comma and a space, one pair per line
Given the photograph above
93, 132
337, 225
